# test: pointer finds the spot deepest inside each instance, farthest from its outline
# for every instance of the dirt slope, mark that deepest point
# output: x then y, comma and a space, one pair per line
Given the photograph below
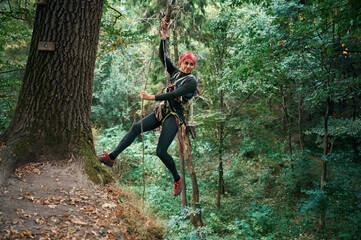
57, 201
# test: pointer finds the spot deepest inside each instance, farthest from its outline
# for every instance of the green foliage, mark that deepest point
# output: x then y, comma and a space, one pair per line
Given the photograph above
258, 224
114, 99
123, 56
339, 130
15, 33
295, 181
179, 227
10, 87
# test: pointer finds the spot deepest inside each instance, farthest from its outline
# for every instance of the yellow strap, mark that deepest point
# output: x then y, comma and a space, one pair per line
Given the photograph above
174, 114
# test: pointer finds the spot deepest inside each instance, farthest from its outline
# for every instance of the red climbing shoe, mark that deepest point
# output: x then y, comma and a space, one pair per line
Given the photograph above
104, 158
177, 189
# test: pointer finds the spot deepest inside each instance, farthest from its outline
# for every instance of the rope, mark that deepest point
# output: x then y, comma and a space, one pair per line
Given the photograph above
142, 110
163, 19
141, 118
165, 64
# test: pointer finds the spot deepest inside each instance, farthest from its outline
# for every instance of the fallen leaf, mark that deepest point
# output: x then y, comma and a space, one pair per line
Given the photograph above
78, 221
109, 205
20, 211
16, 221
40, 221
71, 230
65, 217
73, 202
120, 212
18, 198
54, 219
27, 234
111, 237
100, 223
52, 206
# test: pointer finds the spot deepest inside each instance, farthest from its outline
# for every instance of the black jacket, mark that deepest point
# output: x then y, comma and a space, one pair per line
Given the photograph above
188, 86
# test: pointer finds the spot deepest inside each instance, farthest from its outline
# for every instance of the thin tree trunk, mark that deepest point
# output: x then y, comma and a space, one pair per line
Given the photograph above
52, 117
355, 106
220, 153
300, 132
197, 217
323, 162
287, 124
168, 15
325, 144
175, 40
182, 168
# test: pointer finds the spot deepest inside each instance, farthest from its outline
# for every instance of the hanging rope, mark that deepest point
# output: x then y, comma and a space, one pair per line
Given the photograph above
142, 107
141, 118
163, 19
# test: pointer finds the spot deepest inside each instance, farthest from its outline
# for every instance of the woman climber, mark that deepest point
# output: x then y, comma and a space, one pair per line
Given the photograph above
168, 114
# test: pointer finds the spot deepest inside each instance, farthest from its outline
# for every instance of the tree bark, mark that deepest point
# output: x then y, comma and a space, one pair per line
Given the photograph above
287, 123
325, 143
52, 118
182, 168
196, 218
220, 167
300, 132
355, 107
175, 40
323, 162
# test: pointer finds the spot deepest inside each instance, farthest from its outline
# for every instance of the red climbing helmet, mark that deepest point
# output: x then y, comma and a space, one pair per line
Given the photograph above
188, 55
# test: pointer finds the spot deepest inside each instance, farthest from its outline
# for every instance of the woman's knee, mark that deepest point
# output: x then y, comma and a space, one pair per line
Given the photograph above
136, 129
161, 153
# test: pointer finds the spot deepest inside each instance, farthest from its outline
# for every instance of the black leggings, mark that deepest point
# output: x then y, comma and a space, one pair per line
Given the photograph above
169, 130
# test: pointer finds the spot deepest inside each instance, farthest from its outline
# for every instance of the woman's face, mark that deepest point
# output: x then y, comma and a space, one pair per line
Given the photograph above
187, 66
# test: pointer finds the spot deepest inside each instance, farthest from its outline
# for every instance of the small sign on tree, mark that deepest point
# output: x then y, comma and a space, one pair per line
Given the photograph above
46, 46
41, 2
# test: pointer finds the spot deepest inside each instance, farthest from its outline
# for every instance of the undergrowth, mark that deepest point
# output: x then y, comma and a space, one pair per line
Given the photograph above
265, 198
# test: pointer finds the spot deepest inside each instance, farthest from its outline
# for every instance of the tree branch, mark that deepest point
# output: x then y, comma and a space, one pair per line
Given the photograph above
14, 70
116, 17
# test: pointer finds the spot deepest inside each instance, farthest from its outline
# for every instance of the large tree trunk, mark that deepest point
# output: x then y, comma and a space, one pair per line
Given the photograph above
52, 118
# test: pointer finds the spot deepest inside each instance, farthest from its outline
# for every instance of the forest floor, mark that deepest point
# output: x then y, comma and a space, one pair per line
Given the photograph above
57, 201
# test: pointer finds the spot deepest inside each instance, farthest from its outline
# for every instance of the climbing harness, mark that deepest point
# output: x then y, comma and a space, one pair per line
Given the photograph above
175, 83
164, 109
